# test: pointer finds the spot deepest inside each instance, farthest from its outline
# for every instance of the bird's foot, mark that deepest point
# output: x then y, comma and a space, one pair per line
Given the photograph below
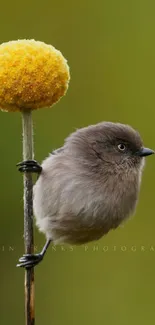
29, 166
30, 260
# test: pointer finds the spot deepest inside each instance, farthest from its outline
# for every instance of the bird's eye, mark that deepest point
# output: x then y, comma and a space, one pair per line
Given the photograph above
121, 147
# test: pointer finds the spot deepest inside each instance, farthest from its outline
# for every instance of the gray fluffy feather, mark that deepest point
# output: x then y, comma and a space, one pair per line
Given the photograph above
88, 187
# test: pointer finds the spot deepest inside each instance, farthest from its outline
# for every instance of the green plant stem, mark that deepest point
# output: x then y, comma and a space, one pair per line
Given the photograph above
28, 216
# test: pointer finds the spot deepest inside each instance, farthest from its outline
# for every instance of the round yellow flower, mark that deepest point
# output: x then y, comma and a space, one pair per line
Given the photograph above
32, 75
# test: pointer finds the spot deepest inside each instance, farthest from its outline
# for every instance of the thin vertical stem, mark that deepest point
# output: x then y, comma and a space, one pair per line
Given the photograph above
28, 216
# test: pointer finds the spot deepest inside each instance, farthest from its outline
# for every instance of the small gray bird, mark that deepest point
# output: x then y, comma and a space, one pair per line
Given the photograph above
87, 187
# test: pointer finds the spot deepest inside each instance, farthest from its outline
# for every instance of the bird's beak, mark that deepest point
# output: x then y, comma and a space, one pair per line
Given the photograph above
143, 152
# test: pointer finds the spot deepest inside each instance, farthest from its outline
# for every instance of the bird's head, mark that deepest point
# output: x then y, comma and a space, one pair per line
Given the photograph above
113, 143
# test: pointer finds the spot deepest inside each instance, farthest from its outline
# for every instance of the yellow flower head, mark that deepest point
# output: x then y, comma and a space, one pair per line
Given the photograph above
32, 75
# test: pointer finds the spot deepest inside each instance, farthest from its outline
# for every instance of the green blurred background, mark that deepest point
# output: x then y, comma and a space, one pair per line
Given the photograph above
110, 47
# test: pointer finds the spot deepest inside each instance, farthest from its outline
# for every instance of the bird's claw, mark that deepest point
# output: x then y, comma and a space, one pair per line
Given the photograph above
30, 260
29, 166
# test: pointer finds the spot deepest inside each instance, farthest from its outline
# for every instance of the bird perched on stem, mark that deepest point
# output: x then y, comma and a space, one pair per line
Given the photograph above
87, 187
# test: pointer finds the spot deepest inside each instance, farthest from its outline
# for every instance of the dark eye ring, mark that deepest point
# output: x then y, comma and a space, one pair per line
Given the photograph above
121, 147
